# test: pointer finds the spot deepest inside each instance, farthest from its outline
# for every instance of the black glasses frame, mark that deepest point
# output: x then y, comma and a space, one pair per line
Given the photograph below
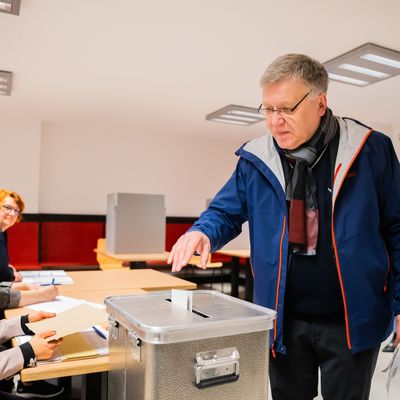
285, 110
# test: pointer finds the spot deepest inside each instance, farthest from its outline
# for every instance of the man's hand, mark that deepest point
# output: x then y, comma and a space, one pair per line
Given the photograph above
41, 347
39, 315
185, 247
397, 341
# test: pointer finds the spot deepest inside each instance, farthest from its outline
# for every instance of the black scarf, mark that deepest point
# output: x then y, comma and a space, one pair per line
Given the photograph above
301, 188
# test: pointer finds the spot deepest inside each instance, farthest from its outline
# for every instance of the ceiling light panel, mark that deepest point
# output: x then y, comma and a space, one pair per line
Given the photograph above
5, 83
364, 65
233, 114
10, 6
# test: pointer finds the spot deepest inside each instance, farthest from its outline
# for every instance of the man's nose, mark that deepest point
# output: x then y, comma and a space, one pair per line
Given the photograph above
276, 118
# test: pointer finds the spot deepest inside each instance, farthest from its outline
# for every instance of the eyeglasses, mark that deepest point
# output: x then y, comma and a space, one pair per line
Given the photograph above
11, 210
282, 111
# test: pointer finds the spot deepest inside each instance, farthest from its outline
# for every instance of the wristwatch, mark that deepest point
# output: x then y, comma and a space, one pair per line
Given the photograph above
32, 362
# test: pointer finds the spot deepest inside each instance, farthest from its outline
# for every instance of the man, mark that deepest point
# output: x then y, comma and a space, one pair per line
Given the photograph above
322, 197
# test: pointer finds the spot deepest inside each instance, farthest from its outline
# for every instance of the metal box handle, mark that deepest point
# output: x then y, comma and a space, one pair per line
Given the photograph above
113, 327
136, 344
216, 367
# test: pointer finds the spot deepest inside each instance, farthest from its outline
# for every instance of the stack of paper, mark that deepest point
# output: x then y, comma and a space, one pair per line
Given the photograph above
50, 277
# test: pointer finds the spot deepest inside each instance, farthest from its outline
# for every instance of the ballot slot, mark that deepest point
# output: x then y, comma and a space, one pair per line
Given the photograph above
199, 313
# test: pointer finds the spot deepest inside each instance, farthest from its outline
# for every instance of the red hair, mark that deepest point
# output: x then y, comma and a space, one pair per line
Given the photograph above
14, 195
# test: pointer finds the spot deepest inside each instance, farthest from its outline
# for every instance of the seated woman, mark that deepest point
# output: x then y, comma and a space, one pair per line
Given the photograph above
21, 294
16, 293
11, 208
14, 359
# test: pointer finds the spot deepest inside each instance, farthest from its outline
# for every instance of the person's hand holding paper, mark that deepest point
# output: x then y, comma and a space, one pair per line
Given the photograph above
43, 348
40, 315
75, 319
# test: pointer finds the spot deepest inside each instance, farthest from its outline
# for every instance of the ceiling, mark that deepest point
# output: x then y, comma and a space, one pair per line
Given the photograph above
159, 66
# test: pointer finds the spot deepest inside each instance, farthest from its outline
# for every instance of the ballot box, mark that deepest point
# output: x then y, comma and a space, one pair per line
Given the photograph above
135, 223
161, 351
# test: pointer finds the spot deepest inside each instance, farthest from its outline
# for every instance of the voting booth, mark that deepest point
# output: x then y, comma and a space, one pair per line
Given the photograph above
159, 350
135, 223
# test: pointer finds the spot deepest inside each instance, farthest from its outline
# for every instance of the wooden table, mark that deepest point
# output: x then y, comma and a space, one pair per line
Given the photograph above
136, 260
124, 278
73, 367
95, 286
236, 256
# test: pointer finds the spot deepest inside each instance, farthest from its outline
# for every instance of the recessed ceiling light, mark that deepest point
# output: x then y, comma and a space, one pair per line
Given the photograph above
365, 71
381, 60
346, 79
5, 83
227, 121
364, 65
10, 6
233, 114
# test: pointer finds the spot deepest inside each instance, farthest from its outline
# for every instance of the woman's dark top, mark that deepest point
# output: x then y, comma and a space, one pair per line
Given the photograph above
6, 273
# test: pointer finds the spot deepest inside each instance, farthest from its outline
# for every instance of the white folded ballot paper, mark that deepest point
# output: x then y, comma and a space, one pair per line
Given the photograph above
182, 298
75, 319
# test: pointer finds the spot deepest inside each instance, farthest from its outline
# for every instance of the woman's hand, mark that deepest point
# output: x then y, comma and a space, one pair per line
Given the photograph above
39, 315
24, 286
47, 293
41, 347
17, 276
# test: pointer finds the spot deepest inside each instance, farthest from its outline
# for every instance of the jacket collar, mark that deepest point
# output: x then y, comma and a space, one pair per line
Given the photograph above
261, 152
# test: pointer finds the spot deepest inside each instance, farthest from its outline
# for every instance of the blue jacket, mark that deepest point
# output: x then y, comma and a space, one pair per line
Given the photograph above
365, 228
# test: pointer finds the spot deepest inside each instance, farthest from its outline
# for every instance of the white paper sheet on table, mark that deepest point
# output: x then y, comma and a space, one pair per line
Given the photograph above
62, 303
59, 304
47, 277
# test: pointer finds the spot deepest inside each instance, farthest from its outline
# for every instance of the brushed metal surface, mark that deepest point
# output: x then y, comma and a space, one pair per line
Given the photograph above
166, 371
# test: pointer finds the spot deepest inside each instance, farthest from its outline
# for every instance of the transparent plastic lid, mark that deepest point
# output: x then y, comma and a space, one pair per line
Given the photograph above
153, 318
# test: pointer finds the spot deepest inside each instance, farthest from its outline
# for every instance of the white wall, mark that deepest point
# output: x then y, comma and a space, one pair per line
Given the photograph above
391, 130
396, 139
66, 168
20, 160
80, 165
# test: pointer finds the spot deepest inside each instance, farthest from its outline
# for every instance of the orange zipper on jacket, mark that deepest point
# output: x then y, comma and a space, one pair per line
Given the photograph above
278, 284
387, 273
346, 316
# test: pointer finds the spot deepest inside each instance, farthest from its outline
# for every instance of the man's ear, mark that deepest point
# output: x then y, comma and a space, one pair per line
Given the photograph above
323, 105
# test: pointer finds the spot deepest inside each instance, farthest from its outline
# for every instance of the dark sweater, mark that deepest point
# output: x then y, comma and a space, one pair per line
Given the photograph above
6, 273
313, 288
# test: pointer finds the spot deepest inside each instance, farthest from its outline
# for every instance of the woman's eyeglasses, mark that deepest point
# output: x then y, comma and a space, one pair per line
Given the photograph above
11, 210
